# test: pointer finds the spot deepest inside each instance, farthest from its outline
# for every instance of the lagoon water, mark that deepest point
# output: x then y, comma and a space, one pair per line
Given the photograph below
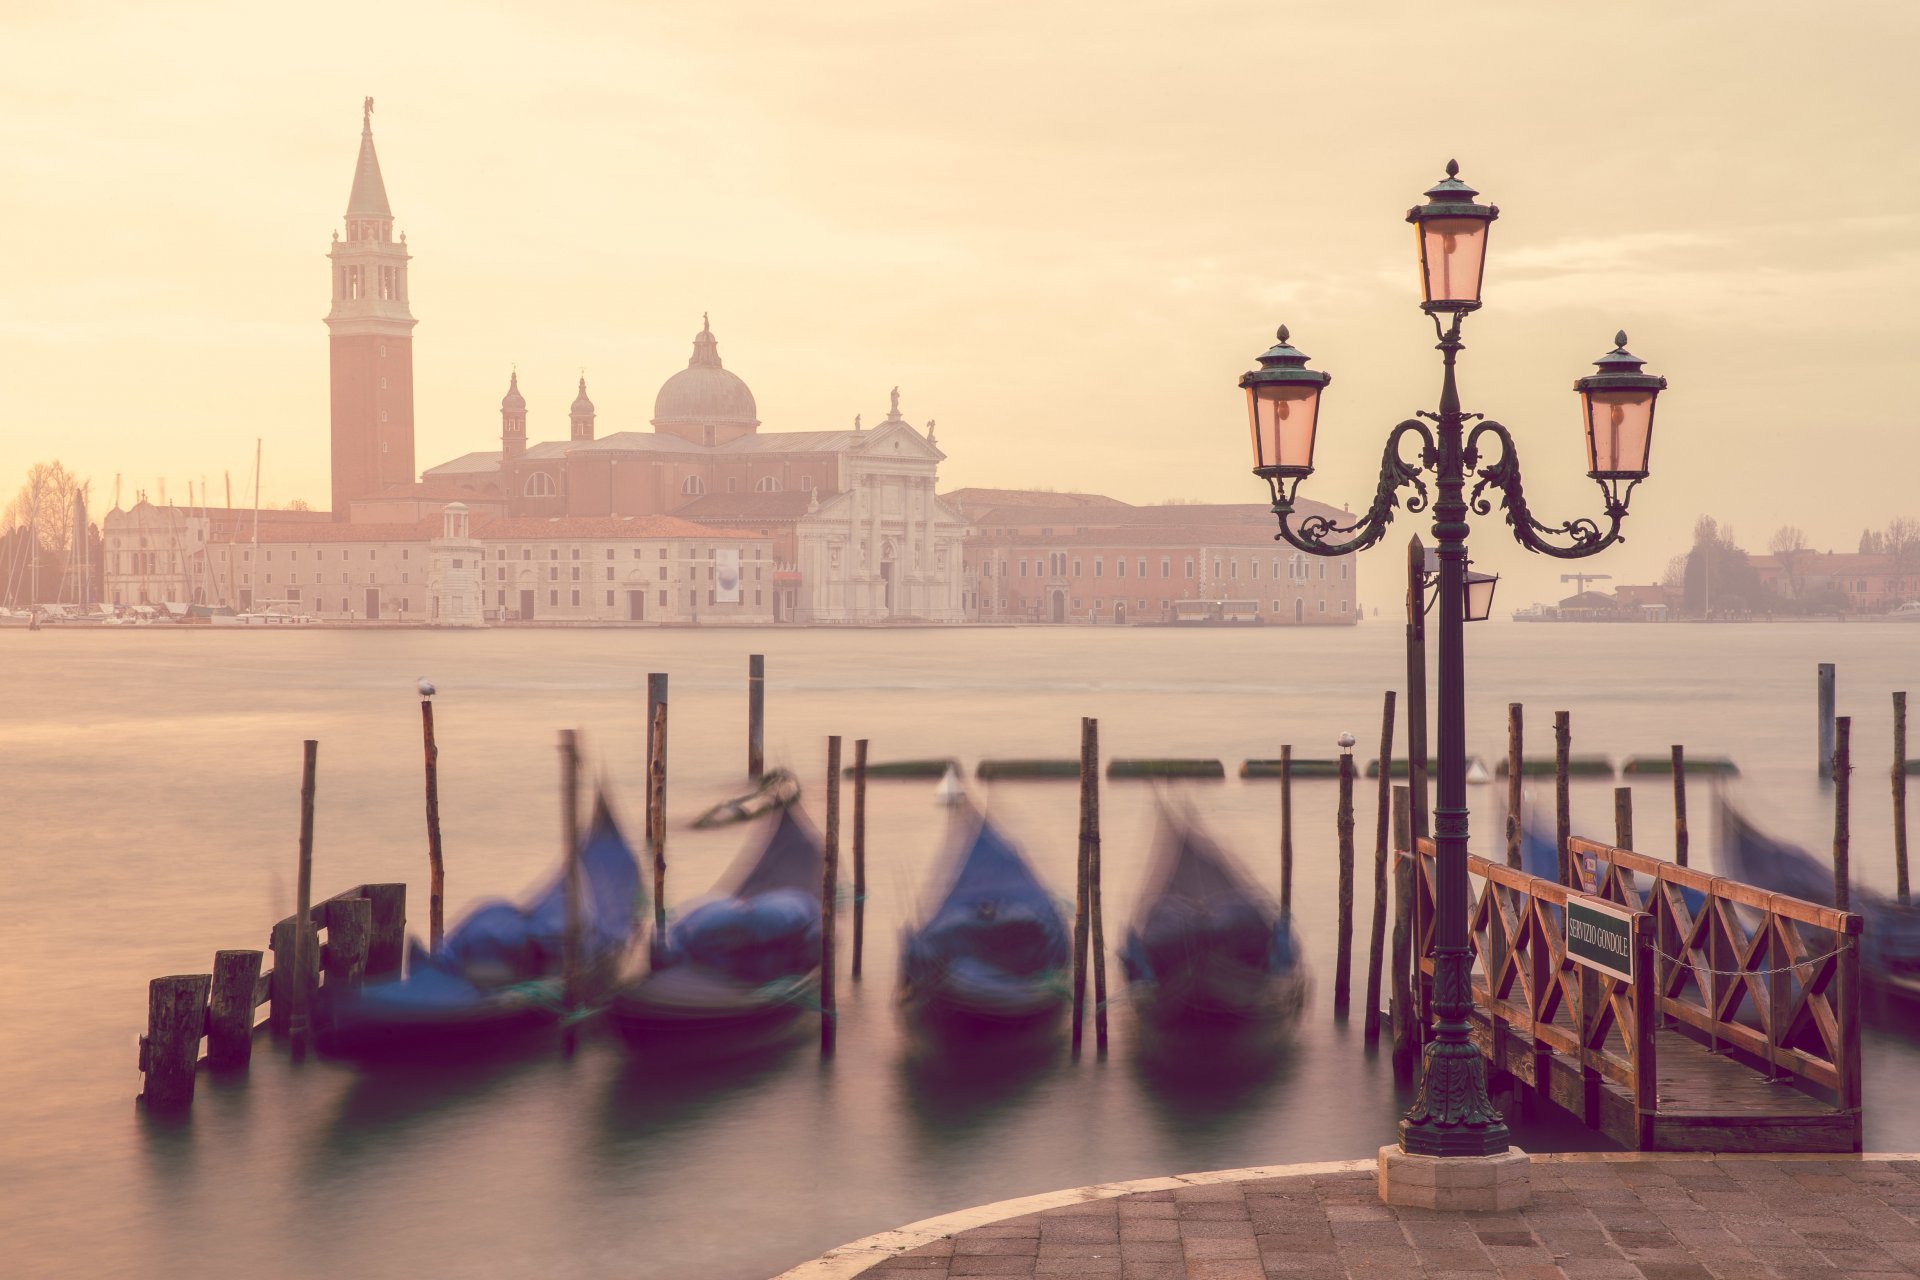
150, 782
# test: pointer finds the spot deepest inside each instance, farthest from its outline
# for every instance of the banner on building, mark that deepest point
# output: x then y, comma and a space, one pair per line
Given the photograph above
726, 576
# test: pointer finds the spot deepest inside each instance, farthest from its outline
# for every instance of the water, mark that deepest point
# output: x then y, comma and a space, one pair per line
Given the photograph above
151, 797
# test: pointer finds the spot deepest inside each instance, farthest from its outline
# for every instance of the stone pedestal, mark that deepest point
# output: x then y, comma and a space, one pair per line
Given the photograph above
1462, 1183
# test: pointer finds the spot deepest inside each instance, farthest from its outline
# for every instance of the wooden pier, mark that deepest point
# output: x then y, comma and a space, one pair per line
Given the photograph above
1739, 1030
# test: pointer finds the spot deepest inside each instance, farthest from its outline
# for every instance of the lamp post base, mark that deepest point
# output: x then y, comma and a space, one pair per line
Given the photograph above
1471, 1184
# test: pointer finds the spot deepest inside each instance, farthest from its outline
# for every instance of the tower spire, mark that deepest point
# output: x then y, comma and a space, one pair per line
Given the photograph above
369, 195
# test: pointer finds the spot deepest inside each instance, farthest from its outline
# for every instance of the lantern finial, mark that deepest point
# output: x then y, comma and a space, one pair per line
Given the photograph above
1281, 333
1453, 168
1620, 340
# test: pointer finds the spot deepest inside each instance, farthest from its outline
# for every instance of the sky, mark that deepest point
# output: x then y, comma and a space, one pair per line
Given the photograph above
1063, 230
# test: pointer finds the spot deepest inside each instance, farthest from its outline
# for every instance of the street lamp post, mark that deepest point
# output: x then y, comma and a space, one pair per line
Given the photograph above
1451, 1114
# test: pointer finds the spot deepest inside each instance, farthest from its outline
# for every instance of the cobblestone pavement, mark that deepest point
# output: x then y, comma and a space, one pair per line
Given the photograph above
1662, 1219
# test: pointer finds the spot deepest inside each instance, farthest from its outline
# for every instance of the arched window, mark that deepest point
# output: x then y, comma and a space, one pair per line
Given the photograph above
693, 486
767, 484
540, 485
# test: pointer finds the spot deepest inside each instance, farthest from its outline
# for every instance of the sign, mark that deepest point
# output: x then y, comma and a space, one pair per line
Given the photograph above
1600, 936
726, 575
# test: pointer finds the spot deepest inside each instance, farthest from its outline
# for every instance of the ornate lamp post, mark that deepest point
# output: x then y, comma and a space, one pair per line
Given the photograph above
1451, 1114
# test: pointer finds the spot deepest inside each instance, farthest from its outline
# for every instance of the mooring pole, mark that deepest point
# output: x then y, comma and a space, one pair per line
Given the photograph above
756, 733
1400, 1006
1098, 939
1900, 797
1842, 817
1343, 957
1081, 899
1824, 693
1516, 759
570, 845
1377, 939
657, 818
1679, 805
859, 851
829, 891
1562, 793
436, 868
303, 931
656, 697
1286, 831
1623, 818
1417, 684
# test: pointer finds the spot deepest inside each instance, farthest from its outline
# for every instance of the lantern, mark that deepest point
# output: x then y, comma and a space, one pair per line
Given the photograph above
1283, 405
1480, 595
1617, 403
1452, 232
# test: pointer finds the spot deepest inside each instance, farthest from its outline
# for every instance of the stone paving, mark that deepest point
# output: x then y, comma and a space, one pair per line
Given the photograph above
1590, 1219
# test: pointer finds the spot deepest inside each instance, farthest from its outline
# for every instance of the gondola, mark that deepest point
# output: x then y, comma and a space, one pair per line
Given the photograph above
497, 977
745, 960
993, 954
1890, 930
1208, 947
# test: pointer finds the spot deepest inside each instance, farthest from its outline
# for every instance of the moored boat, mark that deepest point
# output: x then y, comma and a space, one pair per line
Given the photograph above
497, 976
994, 952
1207, 946
743, 962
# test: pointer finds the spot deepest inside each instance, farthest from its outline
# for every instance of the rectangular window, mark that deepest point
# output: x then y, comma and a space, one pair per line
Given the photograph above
576, 598
1119, 566
1343, 571
459, 564
1233, 568
502, 598
1323, 570
293, 594
609, 599
609, 575
499, 575
553, 596
403, 577
756, 597
1323, 606
1076, 569
404, 554
1166, 567
576, 573
693, 599
1023, 568
1216, 566
609, 553
1096, 567
663, 578
1189, 568
636, 553
576, 553
1253, 567
553, 574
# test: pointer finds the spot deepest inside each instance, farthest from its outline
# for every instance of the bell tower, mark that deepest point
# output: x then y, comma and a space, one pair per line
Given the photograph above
370, 341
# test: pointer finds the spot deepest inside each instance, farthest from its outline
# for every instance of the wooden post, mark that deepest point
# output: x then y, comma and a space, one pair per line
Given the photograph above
570, 850
1377, 937
230, 1009
1343, 957
859, 851
756, 759
303, 958
656, 698
1098, 937
349, 923
283, 982
1417, 685
1679, 805
1562, 793
1623, 818
1842, 817
1515, 759
170, 1051
1646, 1021
1824, 728
1900, 798
436, 869
387, 936
1286, 831
657, 815
829, 890
1405, 1041
1847, 1013
1081, 901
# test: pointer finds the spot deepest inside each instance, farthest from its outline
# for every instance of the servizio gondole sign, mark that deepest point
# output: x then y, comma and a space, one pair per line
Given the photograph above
1600, 936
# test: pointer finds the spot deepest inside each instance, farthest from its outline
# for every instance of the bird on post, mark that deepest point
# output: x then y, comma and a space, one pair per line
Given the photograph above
426, 687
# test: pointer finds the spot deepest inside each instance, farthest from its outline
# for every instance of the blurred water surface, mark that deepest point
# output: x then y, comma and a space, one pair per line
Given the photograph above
150, 784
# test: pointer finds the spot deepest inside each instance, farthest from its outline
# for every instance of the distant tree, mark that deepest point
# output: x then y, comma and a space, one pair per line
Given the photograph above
1719, 578
45, 501
1676, 575
1901, 541
1873, 543
298, 504
1789, 546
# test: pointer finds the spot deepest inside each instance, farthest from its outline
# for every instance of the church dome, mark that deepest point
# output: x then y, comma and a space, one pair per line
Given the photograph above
703, 394
582, 407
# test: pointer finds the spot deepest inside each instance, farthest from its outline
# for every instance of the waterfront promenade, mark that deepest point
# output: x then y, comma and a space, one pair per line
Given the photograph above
1605, 1216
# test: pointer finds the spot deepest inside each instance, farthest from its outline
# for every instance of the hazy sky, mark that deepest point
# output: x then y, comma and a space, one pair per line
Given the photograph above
1063, 230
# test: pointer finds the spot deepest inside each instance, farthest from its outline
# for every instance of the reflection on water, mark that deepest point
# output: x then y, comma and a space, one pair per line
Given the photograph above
170, 763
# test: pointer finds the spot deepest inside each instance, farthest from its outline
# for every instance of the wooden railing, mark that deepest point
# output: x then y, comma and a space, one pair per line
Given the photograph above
365, 936
1758, 977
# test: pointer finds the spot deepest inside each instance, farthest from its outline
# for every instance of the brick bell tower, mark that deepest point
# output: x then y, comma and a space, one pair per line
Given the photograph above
370, 341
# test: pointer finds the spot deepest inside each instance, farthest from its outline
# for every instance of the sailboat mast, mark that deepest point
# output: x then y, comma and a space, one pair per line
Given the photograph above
256, 511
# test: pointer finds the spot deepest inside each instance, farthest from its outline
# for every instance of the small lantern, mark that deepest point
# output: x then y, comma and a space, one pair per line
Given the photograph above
1283, 405
1617, 403
1480, 595
1452, 233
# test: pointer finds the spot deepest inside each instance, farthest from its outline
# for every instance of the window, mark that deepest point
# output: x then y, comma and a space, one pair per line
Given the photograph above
609, 553
1076, 568
553, 553
459, 564
576, 553
1216, 566
767, 484
1323, 606
1023, 568
609, 599
500, 575
733, 485
576, 599
1189, 567
553, 597
636, 553
663, 578
576, 573
553, 574
540, 485
663, 596
806, 482
663, 553
1233, 568
1346, 606
501, 598
293, 595
1096, 566
693, 486
1343, 571
526, 553
1323, 570
1119, 566
609, 575
1253, 567
1166, 567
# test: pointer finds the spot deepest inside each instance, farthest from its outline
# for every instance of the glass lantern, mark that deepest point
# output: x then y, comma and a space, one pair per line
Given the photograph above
1617, 404
1283, 409
1452, 234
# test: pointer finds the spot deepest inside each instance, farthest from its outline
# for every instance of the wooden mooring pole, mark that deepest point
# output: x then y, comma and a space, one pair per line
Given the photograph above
230, 1009
656, 698
1400, 1005
1679, 805
1562, 793
1417, 684
1515, 758
1082, 898
1097, 938
1842, 817
829, 891
859, 852
756, 755
436, 868
1286, 831
1343, 957
1900, 798
304, 941
1623, 818
1824, 728
657, 813
1377, 936
170, 1051
570, 851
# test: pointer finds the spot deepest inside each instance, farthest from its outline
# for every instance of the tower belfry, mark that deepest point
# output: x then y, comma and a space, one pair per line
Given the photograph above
370, 331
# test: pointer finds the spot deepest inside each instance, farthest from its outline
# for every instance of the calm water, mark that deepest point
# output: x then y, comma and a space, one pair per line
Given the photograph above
151, 784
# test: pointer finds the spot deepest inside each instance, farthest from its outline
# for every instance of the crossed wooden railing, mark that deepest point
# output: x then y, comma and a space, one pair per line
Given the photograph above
1758, 978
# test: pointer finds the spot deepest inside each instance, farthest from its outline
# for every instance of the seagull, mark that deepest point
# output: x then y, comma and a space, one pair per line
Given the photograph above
1346, 741
426, 687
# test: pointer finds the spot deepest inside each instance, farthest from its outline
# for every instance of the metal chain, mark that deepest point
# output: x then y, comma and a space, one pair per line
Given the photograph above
1749, 973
